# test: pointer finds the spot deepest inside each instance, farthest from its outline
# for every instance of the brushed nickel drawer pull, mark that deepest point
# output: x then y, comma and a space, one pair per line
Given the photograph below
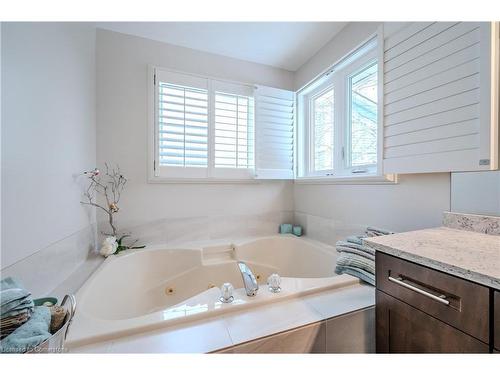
420, 291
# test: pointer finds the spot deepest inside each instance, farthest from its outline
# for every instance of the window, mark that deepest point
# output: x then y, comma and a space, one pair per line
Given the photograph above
363, 117
204, 128
322, 128
339, 121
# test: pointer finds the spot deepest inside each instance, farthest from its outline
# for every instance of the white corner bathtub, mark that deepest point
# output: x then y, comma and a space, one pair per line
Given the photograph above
156, 287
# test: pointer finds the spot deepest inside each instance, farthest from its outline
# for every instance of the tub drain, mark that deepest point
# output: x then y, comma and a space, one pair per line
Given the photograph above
169, 291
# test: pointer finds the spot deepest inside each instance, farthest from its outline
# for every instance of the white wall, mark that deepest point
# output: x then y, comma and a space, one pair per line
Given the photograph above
349, 38
122, 113
476, 192
333, 211
416, 202
48, 126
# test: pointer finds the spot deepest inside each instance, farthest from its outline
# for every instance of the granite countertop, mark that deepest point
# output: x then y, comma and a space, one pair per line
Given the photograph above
468, 255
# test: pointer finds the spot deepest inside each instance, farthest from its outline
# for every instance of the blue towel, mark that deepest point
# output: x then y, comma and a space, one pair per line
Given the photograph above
30, 334
346, 244
17, 312
14, 299
355, 239
356, 272
373, 232
356, 261
349, 250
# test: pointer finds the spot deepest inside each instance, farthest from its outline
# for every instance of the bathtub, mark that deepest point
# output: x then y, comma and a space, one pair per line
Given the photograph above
156, 287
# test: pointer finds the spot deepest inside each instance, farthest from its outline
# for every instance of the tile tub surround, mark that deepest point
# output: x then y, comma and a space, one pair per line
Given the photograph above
202, 228
324, 229
474, 223
230, 330
52, 270
468, 255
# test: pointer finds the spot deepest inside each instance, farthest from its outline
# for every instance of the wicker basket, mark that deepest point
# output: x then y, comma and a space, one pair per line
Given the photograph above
55, 343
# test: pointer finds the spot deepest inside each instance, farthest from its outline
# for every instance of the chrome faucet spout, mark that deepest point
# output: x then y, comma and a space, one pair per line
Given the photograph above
249, 279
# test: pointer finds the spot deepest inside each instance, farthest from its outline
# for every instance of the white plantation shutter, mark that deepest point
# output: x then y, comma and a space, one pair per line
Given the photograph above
274, 128
440, 97
207, 128
182, 124
234, 132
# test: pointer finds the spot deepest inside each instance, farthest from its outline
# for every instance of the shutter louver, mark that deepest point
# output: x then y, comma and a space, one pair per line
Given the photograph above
275, 119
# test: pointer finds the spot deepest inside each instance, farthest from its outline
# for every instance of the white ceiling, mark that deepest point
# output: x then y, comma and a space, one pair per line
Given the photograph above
285, 45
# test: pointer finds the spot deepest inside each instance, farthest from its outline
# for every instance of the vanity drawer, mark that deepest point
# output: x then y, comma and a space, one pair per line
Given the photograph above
460, 303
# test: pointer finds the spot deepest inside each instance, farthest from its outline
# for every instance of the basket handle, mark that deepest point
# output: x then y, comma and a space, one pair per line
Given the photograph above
72, 309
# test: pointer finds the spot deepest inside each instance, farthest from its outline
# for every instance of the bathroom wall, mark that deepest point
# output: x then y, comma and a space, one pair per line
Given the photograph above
476, 192
159, 212
48, 138
348, 39
330, 212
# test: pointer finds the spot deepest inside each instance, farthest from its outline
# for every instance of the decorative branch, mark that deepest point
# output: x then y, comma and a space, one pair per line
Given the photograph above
110, 186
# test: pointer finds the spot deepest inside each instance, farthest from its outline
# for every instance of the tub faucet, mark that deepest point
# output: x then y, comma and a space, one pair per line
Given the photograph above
249, 279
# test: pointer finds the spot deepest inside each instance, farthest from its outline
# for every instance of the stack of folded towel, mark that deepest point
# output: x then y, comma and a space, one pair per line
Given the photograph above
356, 258
16, 306
23, 326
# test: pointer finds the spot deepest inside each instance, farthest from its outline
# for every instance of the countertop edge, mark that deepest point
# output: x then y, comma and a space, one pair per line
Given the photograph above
462, 273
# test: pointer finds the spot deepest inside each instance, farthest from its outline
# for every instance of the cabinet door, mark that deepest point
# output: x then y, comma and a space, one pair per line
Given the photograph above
404, 329
440, 89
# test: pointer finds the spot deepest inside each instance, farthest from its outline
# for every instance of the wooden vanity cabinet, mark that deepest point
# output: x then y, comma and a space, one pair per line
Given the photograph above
421, 310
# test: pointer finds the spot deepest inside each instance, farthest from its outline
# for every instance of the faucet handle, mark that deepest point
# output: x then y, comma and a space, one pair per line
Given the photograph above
274, 282
227, 290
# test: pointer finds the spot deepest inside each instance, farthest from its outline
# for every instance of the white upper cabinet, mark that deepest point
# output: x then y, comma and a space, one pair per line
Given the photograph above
440, 108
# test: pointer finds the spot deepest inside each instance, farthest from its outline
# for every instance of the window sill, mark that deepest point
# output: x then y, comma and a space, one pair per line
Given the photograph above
390, 179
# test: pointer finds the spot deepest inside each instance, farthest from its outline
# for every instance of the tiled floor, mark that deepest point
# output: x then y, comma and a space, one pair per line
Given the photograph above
235, 328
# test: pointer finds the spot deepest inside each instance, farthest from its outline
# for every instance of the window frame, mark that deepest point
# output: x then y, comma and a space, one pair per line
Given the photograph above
322, 89
338, 77
172, 174
347, 73
348, 159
